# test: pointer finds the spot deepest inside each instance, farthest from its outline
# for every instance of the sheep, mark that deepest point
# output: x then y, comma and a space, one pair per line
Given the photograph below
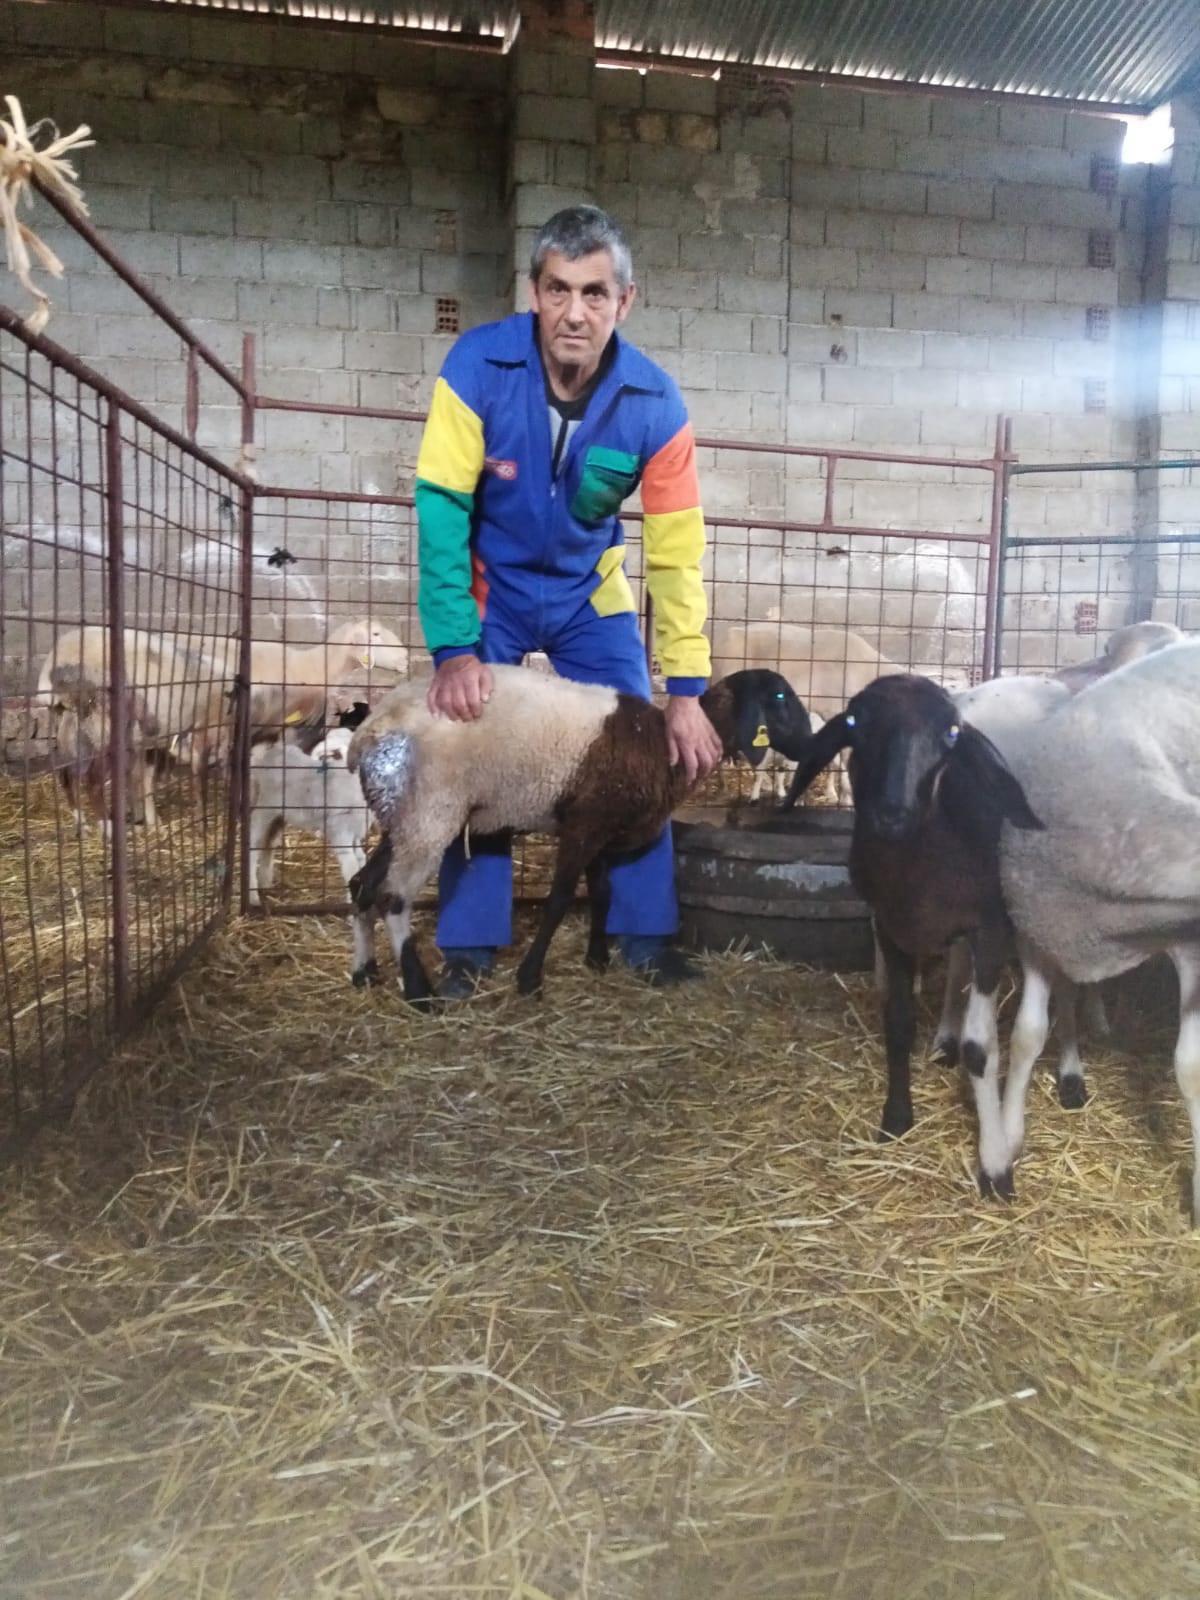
313, 793
1003, 709
1115, 877
549, 756
83, 722
183, 682
824, 665
1130, 643
775, 771
930, 796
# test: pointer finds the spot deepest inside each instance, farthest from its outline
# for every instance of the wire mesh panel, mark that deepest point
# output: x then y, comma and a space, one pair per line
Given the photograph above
119, 615
333, 626
1062, 598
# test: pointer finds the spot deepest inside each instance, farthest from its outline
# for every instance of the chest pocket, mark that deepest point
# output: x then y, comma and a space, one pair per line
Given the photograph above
608, 478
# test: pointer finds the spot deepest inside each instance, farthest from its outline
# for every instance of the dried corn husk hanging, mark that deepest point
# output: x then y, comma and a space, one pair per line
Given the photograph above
20, 163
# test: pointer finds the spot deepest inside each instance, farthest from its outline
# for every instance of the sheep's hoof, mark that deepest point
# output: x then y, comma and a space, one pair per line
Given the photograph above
529, 984
597, 959
1072, 1092
999, 1187
897, 1120
945, 1050
365, 976
424, 1003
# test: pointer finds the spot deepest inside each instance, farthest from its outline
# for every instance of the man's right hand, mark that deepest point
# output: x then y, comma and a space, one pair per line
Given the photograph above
460, 689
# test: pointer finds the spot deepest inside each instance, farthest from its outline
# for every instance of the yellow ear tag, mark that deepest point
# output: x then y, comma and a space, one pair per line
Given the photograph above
366, 658
294, 716
762, 738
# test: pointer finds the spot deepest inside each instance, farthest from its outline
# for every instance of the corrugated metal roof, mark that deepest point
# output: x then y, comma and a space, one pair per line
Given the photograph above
1132, 51
487, 18
1136, 51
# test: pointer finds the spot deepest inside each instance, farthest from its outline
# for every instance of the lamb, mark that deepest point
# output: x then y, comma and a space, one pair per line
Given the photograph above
775, 771
824, 665
931, 794
1115, 877
313, 793
547, 756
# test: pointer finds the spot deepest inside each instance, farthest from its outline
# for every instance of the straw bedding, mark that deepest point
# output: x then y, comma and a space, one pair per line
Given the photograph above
611, 1295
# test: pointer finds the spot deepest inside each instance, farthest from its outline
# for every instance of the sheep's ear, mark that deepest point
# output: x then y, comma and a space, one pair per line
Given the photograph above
979, 784
816, 755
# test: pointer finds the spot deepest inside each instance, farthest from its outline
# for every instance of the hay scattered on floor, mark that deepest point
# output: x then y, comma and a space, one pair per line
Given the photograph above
612, 1295
56, 910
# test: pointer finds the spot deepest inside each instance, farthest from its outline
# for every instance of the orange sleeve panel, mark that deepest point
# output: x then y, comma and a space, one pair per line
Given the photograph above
669, 479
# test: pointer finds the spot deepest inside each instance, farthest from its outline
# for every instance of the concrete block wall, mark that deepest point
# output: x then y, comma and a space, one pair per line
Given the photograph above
883, 272
816, 266
320, 189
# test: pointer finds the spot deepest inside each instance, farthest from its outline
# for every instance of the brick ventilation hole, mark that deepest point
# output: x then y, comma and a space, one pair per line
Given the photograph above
975, 676
1101, 249
1104, 175
1099, 323
1095, 394
447, 315
1087, 614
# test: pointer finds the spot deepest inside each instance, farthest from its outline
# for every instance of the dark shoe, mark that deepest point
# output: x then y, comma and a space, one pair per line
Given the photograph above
658, 962
462, 973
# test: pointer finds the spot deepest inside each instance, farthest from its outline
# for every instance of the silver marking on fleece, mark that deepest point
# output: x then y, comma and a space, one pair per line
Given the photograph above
385, 770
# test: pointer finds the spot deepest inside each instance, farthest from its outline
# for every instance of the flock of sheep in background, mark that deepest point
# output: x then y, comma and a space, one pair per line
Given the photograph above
1060, 809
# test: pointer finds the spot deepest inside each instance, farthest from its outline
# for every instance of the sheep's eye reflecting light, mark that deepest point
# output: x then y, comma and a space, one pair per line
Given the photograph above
952, 733
851, 722
779, 695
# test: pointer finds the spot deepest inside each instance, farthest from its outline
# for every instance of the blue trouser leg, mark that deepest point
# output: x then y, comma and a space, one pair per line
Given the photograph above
610, 650
475, 896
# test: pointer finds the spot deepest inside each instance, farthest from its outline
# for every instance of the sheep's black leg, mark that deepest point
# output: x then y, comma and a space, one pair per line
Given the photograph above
365, 887
558, 903
599, 898
899, 1030
397, 917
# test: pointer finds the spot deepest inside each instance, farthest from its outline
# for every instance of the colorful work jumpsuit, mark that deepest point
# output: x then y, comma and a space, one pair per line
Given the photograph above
515, 557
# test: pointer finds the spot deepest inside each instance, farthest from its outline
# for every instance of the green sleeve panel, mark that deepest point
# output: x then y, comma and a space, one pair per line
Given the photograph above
447, 608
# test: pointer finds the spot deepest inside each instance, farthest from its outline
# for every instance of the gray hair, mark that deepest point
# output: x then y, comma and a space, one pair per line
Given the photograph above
580, 231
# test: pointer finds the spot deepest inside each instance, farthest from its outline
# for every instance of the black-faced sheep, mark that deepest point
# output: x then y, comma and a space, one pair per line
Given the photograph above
930, 797
548, 756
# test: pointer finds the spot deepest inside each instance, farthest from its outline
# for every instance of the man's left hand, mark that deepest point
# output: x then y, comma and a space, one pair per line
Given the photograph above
692, 740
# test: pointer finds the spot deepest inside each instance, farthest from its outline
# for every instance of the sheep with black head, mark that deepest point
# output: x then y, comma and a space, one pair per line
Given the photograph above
547, 756
931, 796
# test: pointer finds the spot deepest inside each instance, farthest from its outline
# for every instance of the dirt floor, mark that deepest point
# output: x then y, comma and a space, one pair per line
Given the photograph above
608, 1295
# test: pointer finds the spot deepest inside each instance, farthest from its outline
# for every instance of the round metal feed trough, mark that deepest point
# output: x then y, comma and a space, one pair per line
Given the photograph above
778, 880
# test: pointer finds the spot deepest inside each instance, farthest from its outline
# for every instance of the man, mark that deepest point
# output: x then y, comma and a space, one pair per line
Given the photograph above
540, 426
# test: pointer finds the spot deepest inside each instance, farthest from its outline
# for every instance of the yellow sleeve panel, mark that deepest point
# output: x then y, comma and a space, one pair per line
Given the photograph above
674, 547
451, 453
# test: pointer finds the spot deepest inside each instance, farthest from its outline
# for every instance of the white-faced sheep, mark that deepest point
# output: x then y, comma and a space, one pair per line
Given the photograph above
1130, 643
83, 735
1114, 878
547, 756
181, 681
312, 793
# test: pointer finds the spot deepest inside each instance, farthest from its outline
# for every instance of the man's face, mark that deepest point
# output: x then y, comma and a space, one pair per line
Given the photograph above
578, 304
